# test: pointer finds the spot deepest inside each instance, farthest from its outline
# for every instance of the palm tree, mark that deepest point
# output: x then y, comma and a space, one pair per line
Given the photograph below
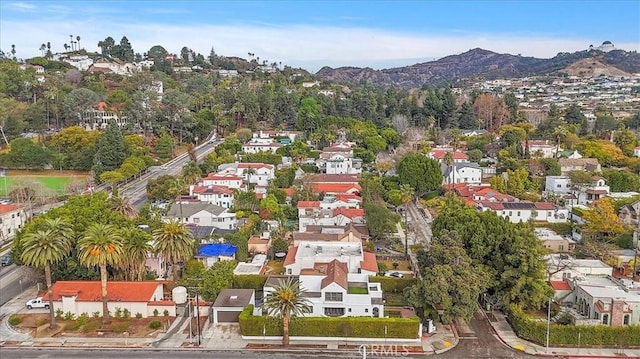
45, 247
78, 38
286, 301
559, 133
176, 189
121, 205
137, 246
449, 161
101, 246
43, 47
191, 173
174, 243
71, 41
250, 172
66, 47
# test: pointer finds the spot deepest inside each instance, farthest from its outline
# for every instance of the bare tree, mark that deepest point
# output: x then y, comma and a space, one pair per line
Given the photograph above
400, 123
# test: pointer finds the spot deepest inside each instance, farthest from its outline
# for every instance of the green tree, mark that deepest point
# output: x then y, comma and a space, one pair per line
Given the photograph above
101, 246
159, 189
24, 153
44, 247
77, 102
217, 278
380, 220
174, 243
137, 246
191, 173
375, 144
286, 301
391, 137
421, 173
164, 147
110, 151
308, 115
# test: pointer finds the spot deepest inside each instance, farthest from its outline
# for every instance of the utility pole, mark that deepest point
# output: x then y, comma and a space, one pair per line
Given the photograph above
198, 315
636, 244
548, 324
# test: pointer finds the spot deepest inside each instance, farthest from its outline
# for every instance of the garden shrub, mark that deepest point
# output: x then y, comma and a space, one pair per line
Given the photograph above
247, 281
15, 320
120, 327
69, 316
92, 326
155, 324
139, 315
165, 313
155, 312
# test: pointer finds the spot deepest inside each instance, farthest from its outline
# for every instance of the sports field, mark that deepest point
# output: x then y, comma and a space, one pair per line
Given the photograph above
44, 183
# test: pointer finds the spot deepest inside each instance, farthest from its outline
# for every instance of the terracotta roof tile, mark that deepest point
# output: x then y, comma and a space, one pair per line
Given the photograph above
349, 212
439, 155
308, 204
545, 206
370, 262
335, 188
212, 190
5, 208
560, 285
291, 256
90, 291
336, 273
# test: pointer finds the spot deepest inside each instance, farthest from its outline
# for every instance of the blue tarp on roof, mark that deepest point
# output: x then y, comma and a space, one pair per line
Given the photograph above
217, 249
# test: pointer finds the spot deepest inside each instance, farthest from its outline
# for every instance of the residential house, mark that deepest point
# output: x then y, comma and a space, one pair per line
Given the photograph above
462, 172
523, 211
472, 133
539, 148
565, 266
607, 301
568, 165
636, 151
116, 67
557, 184
12, 218
577, 195
260, 243
309, 253
308, 84
277, 134
230, 303
219, 195
257, 266
439, 155
333, 290
630, 214
202, 214
258, 174
256, 145
230, 181
212, 253
311, 213
80, 62
571, 154
78, 297
554, 242
351, 233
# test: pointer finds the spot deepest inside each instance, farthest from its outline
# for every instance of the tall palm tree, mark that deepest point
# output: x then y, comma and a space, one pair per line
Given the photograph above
78, 39
191, 173
176, 189
449, 161
250, 172
45, 247
174, 243
101, 245
137, 245
121, 205
43, 47
286, 302
559, 133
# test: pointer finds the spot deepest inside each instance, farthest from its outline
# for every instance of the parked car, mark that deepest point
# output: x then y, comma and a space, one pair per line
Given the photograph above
37, 303
6, 260
396, 275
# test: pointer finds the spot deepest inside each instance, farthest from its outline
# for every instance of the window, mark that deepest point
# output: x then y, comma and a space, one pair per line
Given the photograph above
605, 319
510, 213
333, 297
334, 312
366, 310
561, 247
625, 321
518, 214
596, 315
559, 185
196, 220
349, 310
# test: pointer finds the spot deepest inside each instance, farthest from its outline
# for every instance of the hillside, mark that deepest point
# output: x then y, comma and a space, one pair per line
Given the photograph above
482, 64
592, 68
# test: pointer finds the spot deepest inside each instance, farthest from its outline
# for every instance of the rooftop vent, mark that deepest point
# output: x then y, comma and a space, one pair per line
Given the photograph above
234, 297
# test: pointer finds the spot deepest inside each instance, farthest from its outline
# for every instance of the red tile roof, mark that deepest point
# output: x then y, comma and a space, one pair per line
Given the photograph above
370, 262
545, 206
333, 178
212, 190
335, 188
596, 191
289, 191
496, 206
336, 273
346, 197
5, 208
308, 204
215, 176
349, 212
254, 165
560, 285
439, 155
162, 303
291, 256
337, 149
90, 291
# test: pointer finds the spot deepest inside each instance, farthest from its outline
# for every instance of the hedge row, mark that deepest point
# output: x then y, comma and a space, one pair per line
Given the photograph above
355, 327
567, 335
249, 281
392, 284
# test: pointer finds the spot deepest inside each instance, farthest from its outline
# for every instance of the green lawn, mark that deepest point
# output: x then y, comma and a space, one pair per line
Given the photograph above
55, 184
357, 290
395, 300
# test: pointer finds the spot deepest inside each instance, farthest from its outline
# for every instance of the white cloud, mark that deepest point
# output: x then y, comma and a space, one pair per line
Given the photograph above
297, 45
22, 6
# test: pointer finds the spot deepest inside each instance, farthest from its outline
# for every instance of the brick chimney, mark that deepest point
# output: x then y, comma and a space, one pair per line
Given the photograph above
617, 312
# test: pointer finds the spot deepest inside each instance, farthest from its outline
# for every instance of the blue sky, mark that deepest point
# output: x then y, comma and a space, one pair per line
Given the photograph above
311, 34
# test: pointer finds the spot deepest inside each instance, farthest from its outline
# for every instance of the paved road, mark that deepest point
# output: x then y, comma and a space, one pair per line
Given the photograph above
54, 353
136, 192
13, 281
483, 343
420, 223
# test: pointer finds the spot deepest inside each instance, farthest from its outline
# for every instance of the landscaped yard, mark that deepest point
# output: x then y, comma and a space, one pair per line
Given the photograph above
275, 267
395, 300
357, 290
402, 265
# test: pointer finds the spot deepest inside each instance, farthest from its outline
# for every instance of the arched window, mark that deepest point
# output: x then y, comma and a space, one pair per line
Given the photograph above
605, 319
376, 312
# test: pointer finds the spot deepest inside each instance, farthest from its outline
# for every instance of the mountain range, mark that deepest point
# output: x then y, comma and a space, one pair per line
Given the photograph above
480, 64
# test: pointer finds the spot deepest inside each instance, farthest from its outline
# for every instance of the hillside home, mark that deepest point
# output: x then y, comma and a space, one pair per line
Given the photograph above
439, 155
212, 253
557, 184
230, 303
230, 181
578, 164
565, 266
274, 134
311, 213
202, 214
77, 297
260, 243
630, 214
523, 211
80, 62
351, 233
335, 291
636, 151
12, 218
462, 172
257, 266
539, 148
256, 145
570, 154
258, 174
309, 253
553, 242
219, 195
607, 301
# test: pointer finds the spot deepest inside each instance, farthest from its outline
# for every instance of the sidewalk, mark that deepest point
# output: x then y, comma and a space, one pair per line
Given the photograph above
507, 336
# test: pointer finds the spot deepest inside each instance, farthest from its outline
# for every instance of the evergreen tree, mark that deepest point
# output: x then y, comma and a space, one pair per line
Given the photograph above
111, 150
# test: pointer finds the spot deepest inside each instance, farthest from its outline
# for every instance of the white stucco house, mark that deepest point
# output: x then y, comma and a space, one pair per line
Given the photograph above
523, 211
462, 172
231, 181
12, 218
218, 195
80, 297
255, 173
607, 301
636, 151
257, 144
565, 266
306, 255
202, 214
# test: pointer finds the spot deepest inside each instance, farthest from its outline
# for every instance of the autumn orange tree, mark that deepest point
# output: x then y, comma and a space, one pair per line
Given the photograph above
602, 221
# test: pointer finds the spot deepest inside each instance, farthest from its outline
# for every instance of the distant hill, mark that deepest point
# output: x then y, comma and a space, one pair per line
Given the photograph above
481, 64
